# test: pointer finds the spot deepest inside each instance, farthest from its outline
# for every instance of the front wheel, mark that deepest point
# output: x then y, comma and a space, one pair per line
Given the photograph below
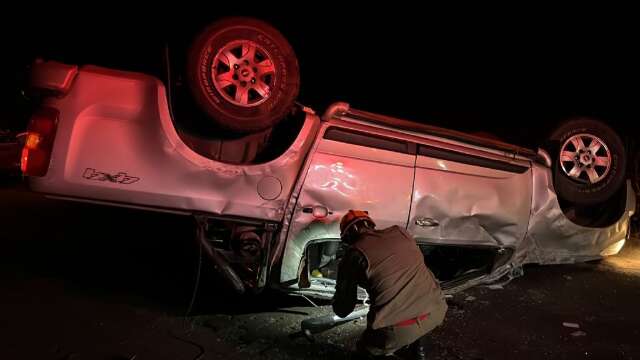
590, 161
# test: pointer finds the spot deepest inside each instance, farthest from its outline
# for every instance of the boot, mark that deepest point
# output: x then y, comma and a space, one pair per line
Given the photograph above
418, 349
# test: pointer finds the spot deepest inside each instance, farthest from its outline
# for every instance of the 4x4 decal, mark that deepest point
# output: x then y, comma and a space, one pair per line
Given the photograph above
119, 178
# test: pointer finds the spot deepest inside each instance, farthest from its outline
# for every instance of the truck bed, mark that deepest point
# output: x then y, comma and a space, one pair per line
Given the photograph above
116, 143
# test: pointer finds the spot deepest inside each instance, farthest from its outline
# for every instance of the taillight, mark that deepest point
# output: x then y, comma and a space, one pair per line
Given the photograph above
38, 142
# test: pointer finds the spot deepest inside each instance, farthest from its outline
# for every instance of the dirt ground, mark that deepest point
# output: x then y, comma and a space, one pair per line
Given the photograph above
80, 281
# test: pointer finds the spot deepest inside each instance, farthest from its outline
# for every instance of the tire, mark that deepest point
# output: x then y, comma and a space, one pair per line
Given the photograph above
581, 177
243, 73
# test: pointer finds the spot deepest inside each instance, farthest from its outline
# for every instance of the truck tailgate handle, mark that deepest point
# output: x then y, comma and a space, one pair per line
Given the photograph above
426, 222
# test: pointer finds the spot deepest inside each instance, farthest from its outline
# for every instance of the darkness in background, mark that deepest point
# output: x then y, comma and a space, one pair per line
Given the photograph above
510, 72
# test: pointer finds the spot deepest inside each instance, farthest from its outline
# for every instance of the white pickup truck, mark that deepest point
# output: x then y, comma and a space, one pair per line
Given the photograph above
478, 208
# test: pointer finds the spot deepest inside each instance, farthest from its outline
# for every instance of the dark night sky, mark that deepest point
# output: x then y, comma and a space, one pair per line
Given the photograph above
461, 69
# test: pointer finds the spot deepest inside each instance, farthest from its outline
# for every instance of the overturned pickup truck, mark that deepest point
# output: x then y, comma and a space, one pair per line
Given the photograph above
477, 207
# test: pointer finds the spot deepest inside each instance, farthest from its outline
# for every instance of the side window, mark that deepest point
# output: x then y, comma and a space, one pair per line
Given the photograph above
368, 140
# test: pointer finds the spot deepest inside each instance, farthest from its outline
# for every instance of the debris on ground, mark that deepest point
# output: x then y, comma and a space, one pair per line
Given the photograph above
495, 287
470, 298
571, 325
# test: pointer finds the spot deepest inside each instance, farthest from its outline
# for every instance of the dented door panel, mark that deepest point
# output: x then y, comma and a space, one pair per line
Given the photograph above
459, 202
343, 176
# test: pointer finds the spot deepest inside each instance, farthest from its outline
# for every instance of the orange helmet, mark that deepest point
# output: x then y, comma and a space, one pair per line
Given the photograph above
352, 217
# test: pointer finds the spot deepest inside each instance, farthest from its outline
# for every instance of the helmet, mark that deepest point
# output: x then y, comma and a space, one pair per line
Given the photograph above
352, 217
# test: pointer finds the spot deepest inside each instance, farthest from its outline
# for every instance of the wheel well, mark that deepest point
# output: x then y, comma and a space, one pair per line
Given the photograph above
598, 215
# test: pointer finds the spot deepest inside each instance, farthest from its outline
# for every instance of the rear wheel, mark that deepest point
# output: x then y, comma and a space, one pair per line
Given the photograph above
590, 161
244, 74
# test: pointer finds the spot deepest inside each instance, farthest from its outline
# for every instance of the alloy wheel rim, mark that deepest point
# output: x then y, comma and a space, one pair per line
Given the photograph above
585, 158
243, 73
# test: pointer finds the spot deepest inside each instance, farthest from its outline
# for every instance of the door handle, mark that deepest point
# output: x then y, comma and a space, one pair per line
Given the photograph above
427, 222
318, 211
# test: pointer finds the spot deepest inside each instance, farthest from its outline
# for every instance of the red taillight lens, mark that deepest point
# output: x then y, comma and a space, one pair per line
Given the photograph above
38, 143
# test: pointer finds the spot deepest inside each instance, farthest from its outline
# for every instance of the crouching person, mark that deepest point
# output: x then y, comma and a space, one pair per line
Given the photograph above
406, 300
